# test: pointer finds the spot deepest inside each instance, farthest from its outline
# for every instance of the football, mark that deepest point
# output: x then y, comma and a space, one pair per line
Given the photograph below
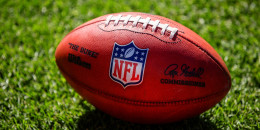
143, 68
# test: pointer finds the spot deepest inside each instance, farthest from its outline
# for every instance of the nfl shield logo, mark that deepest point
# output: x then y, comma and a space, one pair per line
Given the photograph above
127, 64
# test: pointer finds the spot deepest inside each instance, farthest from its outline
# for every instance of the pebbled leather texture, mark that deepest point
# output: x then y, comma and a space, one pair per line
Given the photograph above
153, 100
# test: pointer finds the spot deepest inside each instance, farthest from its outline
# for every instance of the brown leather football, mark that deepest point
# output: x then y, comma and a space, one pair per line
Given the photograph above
143, 68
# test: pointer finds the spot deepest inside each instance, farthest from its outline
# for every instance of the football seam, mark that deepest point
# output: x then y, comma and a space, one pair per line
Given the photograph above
140, 102
154, 16
177, 41
79, 27
209, 55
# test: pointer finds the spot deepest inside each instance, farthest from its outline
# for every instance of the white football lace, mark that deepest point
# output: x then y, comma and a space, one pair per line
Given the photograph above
145, 22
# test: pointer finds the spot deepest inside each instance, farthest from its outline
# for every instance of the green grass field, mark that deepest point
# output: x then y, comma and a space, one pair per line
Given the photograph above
34, 94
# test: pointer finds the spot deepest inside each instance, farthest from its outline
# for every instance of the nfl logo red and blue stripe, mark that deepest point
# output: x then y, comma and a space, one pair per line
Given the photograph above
128, 64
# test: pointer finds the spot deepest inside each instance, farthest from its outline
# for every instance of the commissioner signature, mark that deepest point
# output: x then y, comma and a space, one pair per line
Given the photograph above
185, 70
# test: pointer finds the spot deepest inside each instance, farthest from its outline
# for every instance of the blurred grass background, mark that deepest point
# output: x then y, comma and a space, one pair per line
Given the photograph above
34, 94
